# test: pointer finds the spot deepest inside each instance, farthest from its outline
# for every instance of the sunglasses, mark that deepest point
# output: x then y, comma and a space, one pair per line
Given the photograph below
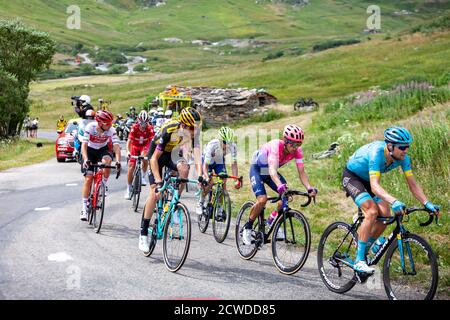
294, 144
403, 148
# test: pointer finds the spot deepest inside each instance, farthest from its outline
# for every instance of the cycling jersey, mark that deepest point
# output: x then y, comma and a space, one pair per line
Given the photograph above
169, 136
96, 140
81, 126
272, 153
370, 160
139, 137
214, 152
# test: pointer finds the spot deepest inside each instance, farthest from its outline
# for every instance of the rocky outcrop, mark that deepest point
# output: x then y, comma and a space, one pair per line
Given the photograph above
220, 106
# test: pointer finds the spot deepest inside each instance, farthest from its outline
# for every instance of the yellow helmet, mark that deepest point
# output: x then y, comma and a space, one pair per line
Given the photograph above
189, 116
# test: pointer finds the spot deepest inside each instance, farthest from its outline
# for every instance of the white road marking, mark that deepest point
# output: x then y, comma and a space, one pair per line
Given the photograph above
59, 257
42, 209
71, 184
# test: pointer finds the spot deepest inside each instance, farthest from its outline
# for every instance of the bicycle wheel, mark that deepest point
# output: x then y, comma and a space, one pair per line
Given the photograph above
99, 208
136, 188
336, 247
151, 233
221, 217
290, 248
177, 238
419, 279
203, 219
245, 252
90, 211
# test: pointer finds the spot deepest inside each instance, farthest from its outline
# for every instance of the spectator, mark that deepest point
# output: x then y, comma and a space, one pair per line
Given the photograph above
34, 127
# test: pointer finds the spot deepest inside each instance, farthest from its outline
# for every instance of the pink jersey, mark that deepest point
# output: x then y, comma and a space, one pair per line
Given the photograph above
271, 153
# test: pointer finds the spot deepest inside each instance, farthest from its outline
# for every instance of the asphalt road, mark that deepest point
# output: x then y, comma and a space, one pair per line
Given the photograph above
46, 252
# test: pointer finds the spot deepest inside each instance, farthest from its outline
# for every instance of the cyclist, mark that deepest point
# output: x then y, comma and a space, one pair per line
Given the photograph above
98, 136
213, 159
361, 181
165, 152
138, 144
61, 123
264, 170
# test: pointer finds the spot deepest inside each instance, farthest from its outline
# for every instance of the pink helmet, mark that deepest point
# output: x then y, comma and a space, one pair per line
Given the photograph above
293, 133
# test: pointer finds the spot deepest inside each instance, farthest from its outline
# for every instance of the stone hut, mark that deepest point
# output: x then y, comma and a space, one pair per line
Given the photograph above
220, 106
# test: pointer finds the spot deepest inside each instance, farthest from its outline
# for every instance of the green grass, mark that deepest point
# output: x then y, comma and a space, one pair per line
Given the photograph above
23, 152
324, 76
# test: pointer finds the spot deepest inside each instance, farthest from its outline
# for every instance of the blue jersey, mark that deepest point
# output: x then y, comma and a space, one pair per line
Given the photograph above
370, 160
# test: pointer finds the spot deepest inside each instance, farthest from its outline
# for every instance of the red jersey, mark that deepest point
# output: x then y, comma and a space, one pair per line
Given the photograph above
141, 138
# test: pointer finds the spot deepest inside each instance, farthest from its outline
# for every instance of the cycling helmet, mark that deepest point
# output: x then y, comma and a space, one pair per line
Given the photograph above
119, 116
143, 117
152, 112
189, 116
168, 113
397, 135
90, 113
159, 109
85, 99
293, 133
226, 134
104, 117
132, 108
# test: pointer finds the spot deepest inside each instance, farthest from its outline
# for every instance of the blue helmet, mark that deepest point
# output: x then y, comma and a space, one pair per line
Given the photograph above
397, 135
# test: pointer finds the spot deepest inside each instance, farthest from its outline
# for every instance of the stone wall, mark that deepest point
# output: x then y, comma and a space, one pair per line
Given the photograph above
221, 106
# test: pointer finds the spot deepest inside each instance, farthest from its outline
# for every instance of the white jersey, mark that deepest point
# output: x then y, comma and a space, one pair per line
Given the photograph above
83, 123
96, 140
214, 152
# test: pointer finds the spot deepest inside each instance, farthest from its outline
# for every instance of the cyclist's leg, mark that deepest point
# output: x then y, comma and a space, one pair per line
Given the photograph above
183, 170
131, 165
361, 194
144, 153
260, 192
106, 159
384, 211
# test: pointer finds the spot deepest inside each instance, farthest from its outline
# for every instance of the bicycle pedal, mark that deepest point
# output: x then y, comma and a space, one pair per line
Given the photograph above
362, 276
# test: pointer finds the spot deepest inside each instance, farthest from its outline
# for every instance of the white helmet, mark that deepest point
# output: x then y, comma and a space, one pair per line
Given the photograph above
85, 99
143, 117
160, 113
160, 109
168, 113
152, 111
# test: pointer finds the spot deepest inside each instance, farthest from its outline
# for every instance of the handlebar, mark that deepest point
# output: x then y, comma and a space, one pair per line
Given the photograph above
175, 180
290, 193
408, 211
104, 166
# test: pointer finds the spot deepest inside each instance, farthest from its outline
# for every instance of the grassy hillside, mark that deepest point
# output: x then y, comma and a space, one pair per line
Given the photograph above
124, 24
324, 75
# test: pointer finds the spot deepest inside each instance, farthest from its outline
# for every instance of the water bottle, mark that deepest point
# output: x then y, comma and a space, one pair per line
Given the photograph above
271, 218
377, 245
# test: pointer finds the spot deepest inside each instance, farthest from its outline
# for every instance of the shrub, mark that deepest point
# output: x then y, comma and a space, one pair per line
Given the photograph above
333, 44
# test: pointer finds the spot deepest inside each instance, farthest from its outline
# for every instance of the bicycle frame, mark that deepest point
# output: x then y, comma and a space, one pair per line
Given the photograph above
98, 179
396, 235
162, 217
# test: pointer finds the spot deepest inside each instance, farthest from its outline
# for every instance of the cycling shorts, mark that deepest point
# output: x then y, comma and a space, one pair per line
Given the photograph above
138, 151
357, 188
258, 180
95, 156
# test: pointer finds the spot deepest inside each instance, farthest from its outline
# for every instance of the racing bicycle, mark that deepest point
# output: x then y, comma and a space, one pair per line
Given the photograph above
96, 201
172, 223
136, 184
410, 269
218, 208
290, 248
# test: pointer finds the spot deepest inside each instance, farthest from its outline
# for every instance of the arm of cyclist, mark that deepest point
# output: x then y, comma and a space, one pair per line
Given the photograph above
396, 205
273, 172
116, 149
235, 172
418, 193
303, 176
128, 147
84, 154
